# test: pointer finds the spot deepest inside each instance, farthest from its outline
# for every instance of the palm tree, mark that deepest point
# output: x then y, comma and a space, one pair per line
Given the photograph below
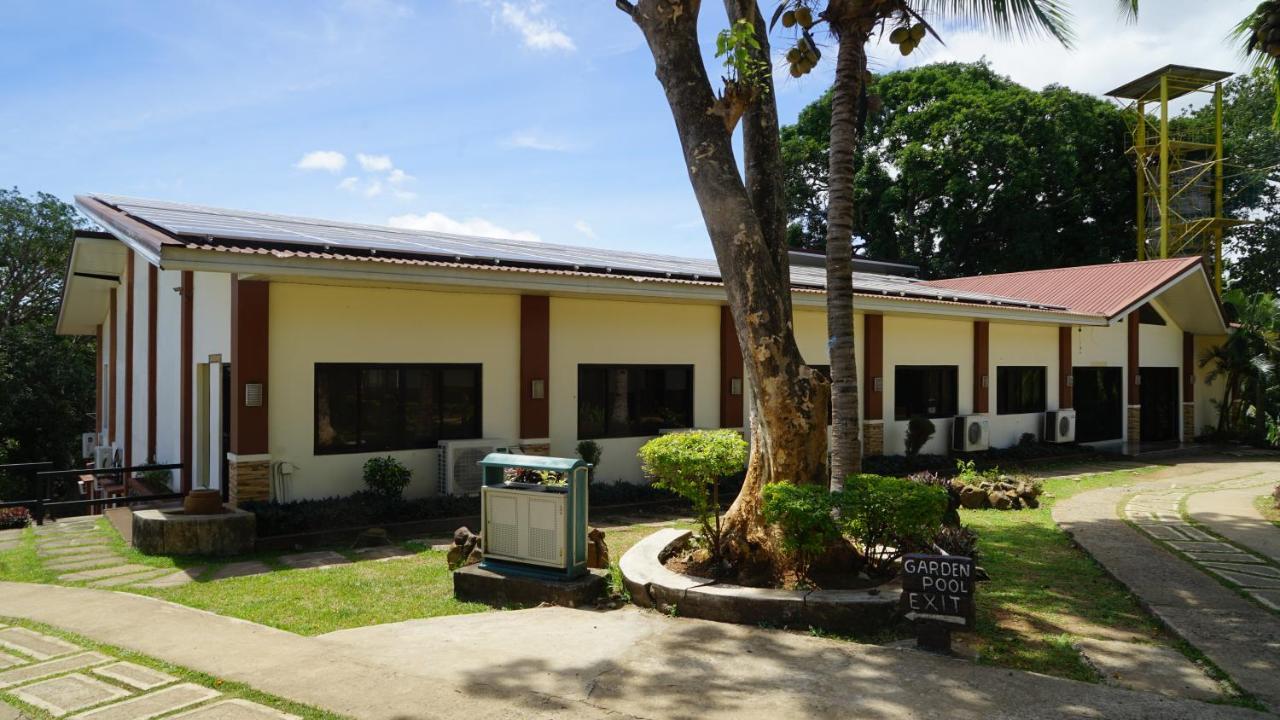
1246, 361
853, 23
1258, 35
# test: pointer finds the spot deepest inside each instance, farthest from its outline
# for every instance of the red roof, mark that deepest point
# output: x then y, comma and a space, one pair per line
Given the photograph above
1106, 290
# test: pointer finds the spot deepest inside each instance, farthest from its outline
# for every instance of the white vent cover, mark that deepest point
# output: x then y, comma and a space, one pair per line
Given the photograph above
253, 394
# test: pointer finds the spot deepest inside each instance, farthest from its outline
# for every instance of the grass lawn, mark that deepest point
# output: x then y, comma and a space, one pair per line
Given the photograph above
1045, 591
227, 688
1267, 506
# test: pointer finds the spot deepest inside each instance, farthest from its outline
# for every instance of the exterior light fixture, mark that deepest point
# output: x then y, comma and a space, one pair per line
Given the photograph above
538, 389
735, 386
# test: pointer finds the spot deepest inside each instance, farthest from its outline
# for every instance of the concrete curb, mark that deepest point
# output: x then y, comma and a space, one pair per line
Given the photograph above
651, 584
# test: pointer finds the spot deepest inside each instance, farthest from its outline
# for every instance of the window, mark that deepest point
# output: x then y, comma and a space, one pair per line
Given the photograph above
1020, 390
633, 400
928, 390
371, 408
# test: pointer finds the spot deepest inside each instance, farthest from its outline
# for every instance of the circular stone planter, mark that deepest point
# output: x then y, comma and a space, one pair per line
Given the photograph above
173, 532
651, 584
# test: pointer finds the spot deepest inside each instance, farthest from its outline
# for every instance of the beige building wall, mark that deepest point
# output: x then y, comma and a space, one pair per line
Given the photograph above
625, 332
1021, 345
913, 340
1208, 393
1160, 345
317, 324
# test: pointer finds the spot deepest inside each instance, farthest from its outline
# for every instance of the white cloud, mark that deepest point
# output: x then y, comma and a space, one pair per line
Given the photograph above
533, 140
398, 176
375, 163
373, 189
404, 194
479, 227
327, 160
349, 183
539, 33
582, 227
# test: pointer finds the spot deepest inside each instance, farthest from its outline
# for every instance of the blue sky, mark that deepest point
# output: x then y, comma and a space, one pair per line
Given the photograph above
538, 119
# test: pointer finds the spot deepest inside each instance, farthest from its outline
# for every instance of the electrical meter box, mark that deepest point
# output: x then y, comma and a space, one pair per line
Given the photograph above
533, 515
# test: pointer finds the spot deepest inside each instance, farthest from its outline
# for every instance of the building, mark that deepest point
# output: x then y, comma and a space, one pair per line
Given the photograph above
274, 355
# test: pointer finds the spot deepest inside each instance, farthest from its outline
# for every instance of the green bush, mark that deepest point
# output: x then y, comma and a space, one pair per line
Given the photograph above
919, 430
958, 540
889, 516
386, 476
590, 452
803, 516
691, 464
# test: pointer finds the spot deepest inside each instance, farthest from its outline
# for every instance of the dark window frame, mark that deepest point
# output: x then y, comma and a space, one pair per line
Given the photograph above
437, 371
947, 407
1005, 380
585, 434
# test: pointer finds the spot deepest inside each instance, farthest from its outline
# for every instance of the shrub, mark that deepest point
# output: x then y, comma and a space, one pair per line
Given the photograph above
14, 518
386, 476
590, 452
932, 479
691, 464
803, 515
919, 430
888, 516
957, 540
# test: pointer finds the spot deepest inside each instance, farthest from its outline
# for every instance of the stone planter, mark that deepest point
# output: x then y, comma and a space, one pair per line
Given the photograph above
173, 532
651, 584
203, 502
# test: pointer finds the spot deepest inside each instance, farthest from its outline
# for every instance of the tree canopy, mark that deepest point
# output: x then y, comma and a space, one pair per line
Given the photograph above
962, 171
46, 380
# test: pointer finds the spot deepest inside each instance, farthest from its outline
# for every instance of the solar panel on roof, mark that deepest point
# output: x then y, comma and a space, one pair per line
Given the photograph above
228, 227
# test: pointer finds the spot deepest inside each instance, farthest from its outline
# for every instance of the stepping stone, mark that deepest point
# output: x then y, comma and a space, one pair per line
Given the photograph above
9, 712
78, 563
241, 569
1235, 557
1148, 668
1204, 547
181, 577
1247, 581
235, 710
66, 694
19, 675
134, 675
11, 534
317, 559
8, 661
1193, 533
69, 552
105, 573
148, 706
127, 579
34, 644
1269, 598
385, 552
1162, 532
1259, 570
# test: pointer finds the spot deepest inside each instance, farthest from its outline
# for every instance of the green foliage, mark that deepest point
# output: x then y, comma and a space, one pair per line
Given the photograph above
386, 476
957, 540
1247, 363
967, 472
590, 452
14, 518
919, 430
691, 464
964, 172
46, 380
739, 47
889, 516
803, 516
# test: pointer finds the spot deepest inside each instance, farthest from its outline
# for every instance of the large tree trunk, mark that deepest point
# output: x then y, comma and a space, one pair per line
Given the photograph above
790, 400
846, 102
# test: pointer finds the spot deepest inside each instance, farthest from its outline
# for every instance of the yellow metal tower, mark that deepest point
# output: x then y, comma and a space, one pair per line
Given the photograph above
1179, 167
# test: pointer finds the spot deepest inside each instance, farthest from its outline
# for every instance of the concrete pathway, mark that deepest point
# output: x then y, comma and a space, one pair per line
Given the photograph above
66, 680
560, 663
1167, 562
1231, 513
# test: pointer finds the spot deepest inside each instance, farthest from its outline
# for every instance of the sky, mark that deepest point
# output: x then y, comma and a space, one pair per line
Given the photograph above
532, 119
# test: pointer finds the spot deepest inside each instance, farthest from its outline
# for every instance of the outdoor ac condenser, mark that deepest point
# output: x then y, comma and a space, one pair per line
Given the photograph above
1060, 426
458, 472
104, 456
970, 433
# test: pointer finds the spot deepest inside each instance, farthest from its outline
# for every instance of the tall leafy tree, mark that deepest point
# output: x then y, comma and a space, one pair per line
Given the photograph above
46, 381
963, 171
853, 23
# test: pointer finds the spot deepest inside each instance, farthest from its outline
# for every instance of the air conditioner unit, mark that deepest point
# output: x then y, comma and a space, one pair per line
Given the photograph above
88, 444
104, 456
458, 472
1060, 426
970, 433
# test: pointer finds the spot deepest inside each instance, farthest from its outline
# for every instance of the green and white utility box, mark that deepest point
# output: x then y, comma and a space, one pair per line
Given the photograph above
533, 515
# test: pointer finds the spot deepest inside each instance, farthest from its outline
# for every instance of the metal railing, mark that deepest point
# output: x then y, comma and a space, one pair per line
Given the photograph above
43, 506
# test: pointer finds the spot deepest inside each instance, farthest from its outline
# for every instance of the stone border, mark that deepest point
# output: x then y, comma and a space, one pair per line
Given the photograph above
651, 584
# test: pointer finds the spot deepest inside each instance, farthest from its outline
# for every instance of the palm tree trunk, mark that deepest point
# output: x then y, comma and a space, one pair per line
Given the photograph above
846, 99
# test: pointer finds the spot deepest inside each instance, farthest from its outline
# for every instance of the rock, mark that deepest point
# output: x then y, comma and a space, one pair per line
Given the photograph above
973, 498
597, 550
454, 557
999, 500
466, 549
1031, 501
462, 535
475, 557
1007, 479
1016, 502
700, 556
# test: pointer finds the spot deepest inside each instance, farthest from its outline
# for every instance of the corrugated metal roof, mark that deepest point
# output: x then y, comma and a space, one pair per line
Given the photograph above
216, 228
1105, 290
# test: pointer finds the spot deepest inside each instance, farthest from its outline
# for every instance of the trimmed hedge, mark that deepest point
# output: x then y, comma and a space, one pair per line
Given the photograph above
944, 465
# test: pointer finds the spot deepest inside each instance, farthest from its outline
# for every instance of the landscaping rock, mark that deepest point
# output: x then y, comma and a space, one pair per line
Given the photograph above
973, 498
999, 500
466, 549
597, 550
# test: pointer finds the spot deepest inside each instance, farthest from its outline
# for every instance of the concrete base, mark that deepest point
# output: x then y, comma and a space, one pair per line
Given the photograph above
173, 532
476, 584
